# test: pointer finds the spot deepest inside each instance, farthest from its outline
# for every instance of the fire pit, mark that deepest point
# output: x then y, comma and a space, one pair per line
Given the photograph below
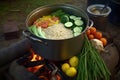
40, 68
37, 68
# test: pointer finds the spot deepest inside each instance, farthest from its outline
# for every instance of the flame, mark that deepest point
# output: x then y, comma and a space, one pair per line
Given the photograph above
35, 57
58, 77
45, 75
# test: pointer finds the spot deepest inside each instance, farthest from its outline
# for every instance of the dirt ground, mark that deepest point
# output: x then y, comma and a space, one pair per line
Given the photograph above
16, 11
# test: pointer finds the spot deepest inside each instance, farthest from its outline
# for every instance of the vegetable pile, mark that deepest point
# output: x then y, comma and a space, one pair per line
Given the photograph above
92, 33
71, 22
91, 65
97, 39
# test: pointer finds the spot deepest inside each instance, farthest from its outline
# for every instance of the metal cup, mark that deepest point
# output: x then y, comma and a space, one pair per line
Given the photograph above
100, 16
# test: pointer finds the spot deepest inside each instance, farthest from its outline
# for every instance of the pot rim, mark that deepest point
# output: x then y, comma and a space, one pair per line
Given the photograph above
61, 4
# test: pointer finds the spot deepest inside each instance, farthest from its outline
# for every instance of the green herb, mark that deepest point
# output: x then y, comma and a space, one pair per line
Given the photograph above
58, 13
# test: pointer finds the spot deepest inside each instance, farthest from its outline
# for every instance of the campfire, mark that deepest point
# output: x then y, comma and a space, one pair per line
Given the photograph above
40, 67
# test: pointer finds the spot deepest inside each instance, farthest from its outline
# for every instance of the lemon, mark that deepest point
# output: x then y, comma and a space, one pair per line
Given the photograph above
65, 66
74, 61
71, 72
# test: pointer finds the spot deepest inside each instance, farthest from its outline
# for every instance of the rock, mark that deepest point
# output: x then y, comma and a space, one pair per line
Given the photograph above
116, 41
111, 58
117, 77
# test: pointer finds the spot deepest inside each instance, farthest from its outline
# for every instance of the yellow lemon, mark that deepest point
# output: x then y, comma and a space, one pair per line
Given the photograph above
71, 72
74, 61
65, 66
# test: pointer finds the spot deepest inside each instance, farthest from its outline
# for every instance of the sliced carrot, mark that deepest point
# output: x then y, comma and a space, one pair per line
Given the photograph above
54, 18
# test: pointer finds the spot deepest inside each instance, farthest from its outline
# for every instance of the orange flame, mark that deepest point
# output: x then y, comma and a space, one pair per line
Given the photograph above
34, 69
35, 57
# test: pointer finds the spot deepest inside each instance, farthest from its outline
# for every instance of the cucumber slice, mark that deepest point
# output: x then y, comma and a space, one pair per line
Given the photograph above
64, 18
41, 33
34, 30
77, 18
68, 24
77, 30
72, 17
78, 22
76, 34
81, 28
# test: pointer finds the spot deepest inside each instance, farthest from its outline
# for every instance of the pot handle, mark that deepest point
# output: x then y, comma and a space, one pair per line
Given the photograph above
27, 34
91, 24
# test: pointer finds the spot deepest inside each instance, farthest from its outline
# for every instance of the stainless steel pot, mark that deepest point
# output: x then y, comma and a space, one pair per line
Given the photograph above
56, 49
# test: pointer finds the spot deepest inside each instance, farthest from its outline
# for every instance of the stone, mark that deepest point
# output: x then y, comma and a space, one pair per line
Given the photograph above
111, 58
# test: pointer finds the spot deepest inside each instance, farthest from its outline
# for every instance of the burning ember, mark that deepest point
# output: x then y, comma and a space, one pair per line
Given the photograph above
41, 67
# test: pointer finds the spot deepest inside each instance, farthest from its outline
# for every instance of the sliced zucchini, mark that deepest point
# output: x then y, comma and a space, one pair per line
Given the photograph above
78, 22
41, 33
30, 29
68, 24
72, 17
77, 30
76, 34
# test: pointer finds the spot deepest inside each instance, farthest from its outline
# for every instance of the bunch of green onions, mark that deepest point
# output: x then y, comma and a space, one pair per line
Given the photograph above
91, 65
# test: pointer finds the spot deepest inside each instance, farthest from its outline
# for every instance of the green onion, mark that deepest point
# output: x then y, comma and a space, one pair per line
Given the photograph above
91, 65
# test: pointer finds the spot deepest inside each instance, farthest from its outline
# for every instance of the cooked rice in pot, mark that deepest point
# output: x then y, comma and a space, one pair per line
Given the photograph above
58, 31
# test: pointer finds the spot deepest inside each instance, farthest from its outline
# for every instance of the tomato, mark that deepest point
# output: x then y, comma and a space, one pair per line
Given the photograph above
92, 30
88, 32
98, 35
91, 36
104, 41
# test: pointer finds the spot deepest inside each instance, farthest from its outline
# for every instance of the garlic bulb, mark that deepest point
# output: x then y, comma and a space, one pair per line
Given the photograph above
97, 44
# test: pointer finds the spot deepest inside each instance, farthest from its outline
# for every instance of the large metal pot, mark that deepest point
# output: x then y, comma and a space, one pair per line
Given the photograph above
56, 49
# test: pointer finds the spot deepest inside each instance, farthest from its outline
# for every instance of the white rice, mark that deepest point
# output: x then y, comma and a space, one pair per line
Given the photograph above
58, 31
